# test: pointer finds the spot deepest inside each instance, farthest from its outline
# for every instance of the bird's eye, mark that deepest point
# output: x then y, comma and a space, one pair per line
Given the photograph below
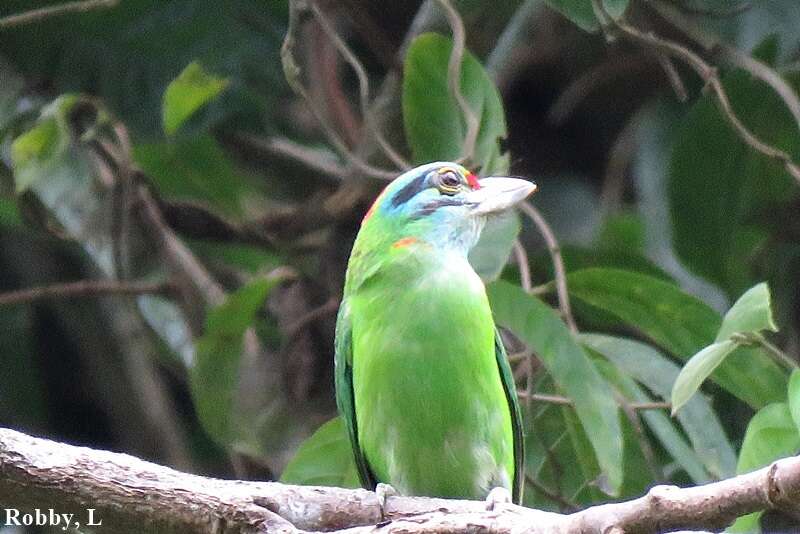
449, 182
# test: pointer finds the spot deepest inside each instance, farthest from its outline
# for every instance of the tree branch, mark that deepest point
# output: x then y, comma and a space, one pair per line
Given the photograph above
84, 288
131, 495
36, 15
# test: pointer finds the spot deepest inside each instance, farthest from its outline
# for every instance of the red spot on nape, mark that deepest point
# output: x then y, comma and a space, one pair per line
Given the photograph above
374, 206
404, 242
472, 180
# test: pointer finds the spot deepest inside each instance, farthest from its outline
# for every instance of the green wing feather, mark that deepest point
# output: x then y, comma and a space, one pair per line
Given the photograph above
343, 361
516, 417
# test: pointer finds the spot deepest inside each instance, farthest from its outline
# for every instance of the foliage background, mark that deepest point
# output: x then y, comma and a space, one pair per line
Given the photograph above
157, 146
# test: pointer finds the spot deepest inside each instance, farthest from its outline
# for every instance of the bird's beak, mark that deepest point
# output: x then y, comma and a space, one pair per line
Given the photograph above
498, 193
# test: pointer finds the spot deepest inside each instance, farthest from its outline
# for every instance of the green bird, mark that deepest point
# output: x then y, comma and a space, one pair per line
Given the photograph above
423, 383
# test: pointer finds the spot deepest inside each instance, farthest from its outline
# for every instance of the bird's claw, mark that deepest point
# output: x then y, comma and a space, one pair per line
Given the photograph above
498, 495
383, 492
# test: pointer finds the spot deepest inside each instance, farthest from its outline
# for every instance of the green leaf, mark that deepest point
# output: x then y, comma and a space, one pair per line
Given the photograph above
195, 169
490, 253
324, 459
435, 129
718, 186
186, 94
681, 324
697, 369
541, 329
434, 124
794, 397
750, 313
215, 374
771, 434
581, 12
710, 447
38, 151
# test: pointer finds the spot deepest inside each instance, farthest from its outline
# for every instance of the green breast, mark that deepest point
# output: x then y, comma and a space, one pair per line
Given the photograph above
431, 412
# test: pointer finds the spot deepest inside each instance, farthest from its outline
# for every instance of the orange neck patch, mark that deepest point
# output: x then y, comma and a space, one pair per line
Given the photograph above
404, 242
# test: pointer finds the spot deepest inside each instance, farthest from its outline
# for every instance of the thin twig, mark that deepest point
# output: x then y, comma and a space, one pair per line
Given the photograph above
731, 55
363, 88
293, 330
593, 78
36, 15
524, 267
564, 401
673, 76
315, 159
558, 263
291, 72
709, 75
619, 158
85, 288
644, 445
731, 11
454, 80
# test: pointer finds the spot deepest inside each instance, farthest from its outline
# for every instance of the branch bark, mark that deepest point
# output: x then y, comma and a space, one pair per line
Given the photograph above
131, 495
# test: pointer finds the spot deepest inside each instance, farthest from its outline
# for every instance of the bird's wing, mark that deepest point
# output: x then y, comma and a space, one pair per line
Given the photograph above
516, 417
343, 361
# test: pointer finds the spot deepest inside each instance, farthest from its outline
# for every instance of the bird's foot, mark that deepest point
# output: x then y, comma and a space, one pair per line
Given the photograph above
498, 495
383, 492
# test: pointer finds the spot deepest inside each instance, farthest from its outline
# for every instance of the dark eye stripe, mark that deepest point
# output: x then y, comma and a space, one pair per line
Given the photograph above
410, 190
434, 205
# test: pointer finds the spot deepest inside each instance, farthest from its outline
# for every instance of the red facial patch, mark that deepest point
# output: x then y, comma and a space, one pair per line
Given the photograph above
472, 180
374, 206
404, 242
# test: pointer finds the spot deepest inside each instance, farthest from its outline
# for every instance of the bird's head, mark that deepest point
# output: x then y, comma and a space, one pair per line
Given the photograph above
442, 204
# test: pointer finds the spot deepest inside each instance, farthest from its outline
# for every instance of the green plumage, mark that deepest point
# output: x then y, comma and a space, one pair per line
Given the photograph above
422, 379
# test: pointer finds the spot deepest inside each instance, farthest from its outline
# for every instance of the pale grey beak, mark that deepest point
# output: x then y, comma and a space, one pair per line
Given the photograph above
498, 193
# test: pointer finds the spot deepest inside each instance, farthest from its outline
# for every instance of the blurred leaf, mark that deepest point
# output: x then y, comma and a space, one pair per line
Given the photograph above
771, 435
186, 94
215, 374
661, 425
248, 257
622, 231
581, 12
541, 329
37, 151
696, 370
551, 459
794, 397
490, 253
194, 169
324, 459
9, 213
752, 312
681, 324
717, 184
434, 124
698, 419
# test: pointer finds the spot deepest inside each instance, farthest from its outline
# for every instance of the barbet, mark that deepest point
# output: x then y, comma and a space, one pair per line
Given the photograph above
422, 379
